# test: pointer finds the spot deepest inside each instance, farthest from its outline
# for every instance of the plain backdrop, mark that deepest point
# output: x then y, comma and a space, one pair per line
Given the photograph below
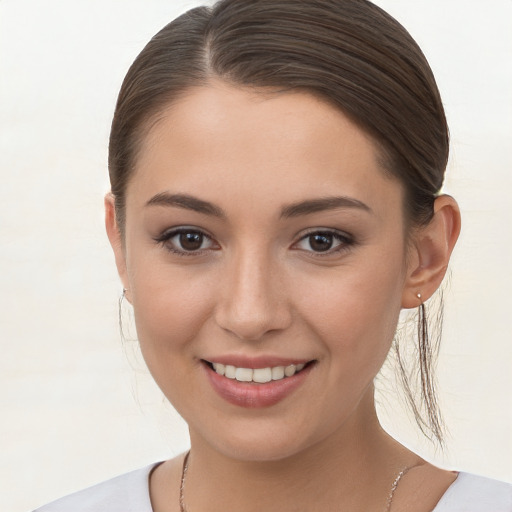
76, 403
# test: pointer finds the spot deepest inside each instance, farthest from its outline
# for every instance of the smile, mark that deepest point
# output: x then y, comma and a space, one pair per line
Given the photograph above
257, 387
257, 375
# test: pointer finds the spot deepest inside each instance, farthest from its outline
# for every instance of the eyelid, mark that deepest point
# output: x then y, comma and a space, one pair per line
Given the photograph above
347, 241
165, 237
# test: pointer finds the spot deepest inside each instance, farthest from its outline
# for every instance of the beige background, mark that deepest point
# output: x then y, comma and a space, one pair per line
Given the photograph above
76, 405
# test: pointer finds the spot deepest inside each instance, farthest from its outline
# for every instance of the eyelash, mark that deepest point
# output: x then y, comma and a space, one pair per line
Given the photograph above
345, 241
167, 236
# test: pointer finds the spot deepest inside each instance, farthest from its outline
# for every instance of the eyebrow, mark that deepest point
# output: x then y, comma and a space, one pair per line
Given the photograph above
187, 202
321, 204
297, 209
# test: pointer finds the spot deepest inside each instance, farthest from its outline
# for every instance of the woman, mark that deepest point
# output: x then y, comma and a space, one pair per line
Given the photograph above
276, 169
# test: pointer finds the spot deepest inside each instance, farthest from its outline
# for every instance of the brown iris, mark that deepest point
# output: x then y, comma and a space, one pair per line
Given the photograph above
321, 242
191, 241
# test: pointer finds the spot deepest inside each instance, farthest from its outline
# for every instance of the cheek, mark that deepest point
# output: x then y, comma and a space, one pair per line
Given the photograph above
170, 306
355, 310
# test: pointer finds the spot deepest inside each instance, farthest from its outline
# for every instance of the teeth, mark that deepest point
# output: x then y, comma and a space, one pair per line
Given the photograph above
219, 368
229, 371
289, 371
278, 373
262, 375
259, 375
243, 374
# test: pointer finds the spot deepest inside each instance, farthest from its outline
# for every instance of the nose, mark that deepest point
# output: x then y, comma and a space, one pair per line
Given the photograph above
254, 301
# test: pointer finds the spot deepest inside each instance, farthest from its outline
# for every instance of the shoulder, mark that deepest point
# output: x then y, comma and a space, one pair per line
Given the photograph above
472, 493
125, 493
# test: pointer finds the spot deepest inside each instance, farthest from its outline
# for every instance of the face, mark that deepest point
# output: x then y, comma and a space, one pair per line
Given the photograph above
263, 238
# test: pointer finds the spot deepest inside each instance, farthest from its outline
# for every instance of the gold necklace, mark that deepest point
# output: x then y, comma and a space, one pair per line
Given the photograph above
388, 503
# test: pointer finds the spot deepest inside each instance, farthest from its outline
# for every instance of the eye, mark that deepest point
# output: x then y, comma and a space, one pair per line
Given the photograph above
186, 241
324, 242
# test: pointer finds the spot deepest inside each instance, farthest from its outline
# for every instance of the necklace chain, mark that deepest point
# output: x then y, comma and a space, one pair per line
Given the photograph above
391, 495
394, 486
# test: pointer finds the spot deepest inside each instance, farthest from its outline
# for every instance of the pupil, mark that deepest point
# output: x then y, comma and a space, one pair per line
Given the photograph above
320, 242
191, 241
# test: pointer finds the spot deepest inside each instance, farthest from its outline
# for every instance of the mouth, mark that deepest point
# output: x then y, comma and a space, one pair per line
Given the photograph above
259, 387
257, 375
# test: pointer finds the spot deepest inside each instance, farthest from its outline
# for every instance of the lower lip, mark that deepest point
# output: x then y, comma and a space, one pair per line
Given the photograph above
252, 395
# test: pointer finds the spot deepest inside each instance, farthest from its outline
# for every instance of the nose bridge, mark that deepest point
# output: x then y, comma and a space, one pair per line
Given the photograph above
253, 303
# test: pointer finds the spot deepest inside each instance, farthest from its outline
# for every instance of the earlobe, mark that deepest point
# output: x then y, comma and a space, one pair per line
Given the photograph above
433, 246
115, 238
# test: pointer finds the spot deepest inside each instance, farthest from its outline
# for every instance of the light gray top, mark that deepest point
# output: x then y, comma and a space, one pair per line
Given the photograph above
130, 493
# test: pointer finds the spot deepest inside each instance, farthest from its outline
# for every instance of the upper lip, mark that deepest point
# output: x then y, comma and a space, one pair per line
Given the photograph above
263, 361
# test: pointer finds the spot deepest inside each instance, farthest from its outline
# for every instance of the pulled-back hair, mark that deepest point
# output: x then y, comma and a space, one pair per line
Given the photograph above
349, 53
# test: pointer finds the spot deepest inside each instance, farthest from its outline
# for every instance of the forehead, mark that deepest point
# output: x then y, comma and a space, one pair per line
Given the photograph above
279, 147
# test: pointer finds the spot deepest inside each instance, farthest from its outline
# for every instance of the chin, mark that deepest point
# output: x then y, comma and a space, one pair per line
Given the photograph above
264, 440
262, 450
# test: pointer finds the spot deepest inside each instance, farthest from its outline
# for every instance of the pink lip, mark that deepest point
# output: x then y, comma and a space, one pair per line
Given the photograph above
251, 395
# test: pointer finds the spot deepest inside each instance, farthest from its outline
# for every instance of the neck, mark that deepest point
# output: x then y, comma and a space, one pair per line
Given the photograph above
334, 474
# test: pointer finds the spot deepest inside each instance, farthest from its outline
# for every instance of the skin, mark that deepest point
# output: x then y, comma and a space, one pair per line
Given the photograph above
257, 286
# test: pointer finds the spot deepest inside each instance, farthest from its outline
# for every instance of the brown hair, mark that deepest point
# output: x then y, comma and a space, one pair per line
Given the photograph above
347, 52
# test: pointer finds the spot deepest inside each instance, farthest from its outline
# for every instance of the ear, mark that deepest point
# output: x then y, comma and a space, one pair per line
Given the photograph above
116, 241
429, 256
